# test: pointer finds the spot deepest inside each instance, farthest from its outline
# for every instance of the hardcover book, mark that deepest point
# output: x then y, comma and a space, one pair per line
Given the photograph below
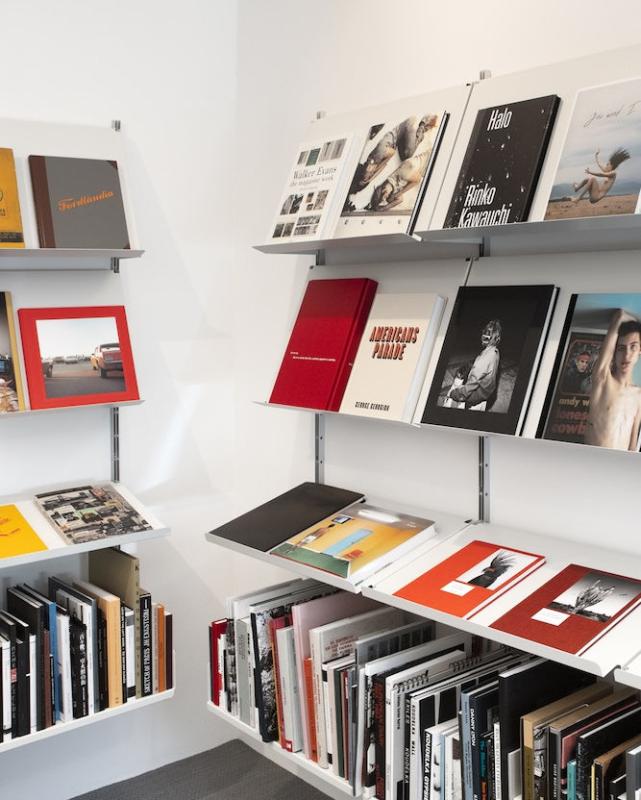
574, 609
356, 542
599, 171
17, 537
471, 578
391, 176
323, 343
78, 203
490, 356
11, 391
316, 182
393, 355
11, 234
594, 395
502, 163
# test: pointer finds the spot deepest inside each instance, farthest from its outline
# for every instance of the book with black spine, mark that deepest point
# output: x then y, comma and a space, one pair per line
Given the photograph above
51, 628
80, 681
12, 629
34, 614
146, 664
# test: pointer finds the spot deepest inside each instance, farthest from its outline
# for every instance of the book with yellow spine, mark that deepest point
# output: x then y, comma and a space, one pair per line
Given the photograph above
11, 234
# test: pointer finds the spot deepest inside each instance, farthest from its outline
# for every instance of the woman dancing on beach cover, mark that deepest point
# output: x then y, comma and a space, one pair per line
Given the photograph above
595, 188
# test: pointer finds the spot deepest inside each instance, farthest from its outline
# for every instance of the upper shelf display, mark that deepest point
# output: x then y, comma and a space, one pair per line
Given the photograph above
552, 147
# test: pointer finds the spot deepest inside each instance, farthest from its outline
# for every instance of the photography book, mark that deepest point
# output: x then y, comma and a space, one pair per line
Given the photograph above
599, 171
90, 513
314, 189
17, 537
11, 389
78, 203
594, 396
574, 609
490, 357
393, 355
356, 542
323, 343
502, 163
11, 233
471, 578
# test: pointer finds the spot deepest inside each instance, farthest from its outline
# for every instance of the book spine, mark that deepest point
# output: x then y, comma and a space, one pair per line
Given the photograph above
255, 714
407, 744
554, 759
103, 688
582, 767
34, 686
328, 720
413, 767
146, 676
498, 789
48, 715
162, 649
130, 657
53, 643
24, 693
231, 683
527, 755
379, 737
319, 706
13, 671
169, 648
571, 780
468, 741
154, 648
482, 768
427, 764
597, 781
540, 763
311, 711
122, 654
491, 792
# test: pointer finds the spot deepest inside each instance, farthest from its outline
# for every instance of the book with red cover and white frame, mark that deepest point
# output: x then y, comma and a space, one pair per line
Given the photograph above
471, 578
574, 609
323, 343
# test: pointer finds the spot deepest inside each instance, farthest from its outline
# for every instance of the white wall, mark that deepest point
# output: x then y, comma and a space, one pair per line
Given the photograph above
214, 98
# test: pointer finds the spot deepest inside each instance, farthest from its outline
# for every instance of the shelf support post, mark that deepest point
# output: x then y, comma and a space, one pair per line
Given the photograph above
484, 479
115, 262
114, 415
319, 448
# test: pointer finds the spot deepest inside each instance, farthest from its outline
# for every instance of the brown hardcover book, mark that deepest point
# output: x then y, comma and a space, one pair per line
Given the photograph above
311, 709
162, 653
78, 203
609, 765
11, 233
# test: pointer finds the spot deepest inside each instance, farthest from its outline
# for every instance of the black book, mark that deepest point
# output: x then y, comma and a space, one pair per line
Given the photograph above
103, 698
616, 787
123, 651
483, 709
79, 676
35, 614
486, 766
51, 628
270, 524
169, 649
502, 163
17, 632
146, 665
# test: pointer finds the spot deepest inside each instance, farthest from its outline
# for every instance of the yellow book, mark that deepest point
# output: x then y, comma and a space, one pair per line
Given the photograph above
17, 537
11, 234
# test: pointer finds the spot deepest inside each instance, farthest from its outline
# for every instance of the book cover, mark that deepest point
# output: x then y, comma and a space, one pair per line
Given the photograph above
502, 163
574, 609
323, 343
11, 387
78, 203
271, 523
633, 771
316, 181
11, 233
471, 578
599, 170
17, 537
393, 355
90, 513
356, 542
594, 396
391, 175
610, 766
490, 358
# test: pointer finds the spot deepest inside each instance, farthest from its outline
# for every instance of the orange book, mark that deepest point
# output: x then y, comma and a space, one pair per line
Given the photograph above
17, 537
11, 234
311, 710
162, 649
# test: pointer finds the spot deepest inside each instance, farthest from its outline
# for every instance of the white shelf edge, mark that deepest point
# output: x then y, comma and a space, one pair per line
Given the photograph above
296, 763
14, 414
63, 727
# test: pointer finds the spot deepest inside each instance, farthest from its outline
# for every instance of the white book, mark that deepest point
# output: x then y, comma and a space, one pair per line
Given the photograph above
451, 783
497, 761
289, 690
64, 666
33, 683
6, 688
154, 646
130, 652
242, 633
393, 355
221, 653
83, 612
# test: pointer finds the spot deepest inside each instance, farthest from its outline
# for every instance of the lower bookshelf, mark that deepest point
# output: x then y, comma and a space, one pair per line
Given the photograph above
296, 763
63, 727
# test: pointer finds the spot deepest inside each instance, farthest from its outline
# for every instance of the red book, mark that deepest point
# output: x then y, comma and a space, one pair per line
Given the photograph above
323, 343
471, 578
574, 609
216, 630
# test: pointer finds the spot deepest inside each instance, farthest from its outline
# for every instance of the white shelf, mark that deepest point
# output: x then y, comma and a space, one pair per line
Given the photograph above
630, 674
18, 259
297, 763
27, 411
63, 727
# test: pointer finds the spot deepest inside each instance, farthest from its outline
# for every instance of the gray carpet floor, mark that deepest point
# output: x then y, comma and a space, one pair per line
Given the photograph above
232, 771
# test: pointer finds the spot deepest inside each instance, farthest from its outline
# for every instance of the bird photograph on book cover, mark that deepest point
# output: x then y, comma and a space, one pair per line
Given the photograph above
77, 356
357, 541
502, 163
11, 393
392, 172
574, 609
594, 396
599, 171
490, 357
470, 578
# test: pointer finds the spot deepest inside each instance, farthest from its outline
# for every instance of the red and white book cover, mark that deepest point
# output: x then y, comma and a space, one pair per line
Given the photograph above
471, 578
323, 344
574, 609
217, 629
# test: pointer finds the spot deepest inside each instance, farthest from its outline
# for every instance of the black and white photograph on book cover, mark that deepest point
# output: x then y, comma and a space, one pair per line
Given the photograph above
489, 358
390, 175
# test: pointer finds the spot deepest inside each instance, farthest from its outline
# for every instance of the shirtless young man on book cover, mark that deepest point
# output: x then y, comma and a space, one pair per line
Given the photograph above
615, 402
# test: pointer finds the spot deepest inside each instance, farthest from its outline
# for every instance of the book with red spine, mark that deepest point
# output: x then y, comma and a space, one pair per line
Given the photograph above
471, 578
323, 343
574, 609
216, 629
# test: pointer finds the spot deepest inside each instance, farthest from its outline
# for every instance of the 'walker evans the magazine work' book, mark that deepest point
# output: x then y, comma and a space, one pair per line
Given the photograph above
356, 542
490, 357
323, 343
393, 355
573, 609
269, 524
595, 394
78, 203
599, 172
90, 513
17, 537
470, 578
11, 234
11, 391
315, 184
391, 176
502, 163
